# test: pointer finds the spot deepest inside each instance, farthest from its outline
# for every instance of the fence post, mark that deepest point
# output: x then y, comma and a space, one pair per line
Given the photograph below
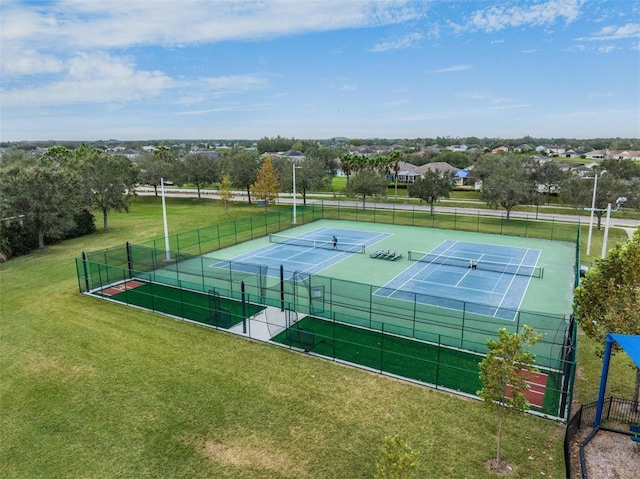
86, 272
438, 361
281, 288
244, 309
129, 258
464, 315
382, 349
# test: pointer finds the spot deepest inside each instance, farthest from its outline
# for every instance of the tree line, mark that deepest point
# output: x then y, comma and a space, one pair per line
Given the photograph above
53, 196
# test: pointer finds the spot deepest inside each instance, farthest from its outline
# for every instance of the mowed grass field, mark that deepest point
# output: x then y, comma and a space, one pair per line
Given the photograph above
95, 389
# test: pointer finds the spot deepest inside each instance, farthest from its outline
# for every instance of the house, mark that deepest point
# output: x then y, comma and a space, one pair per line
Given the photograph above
409, 173
613, 154
523, 147
596, 154
500, 149
461, 177
575, 153
625, 155
291, 155
440, 166
554, 150
457, 148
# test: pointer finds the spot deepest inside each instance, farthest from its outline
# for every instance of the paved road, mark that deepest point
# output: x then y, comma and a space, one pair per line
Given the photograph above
328, 199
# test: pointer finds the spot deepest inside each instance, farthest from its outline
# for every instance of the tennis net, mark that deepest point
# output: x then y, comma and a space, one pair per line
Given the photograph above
323, 244
509, 268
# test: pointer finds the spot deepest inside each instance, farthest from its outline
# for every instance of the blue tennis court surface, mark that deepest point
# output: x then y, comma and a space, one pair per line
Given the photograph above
442, 277
308, 253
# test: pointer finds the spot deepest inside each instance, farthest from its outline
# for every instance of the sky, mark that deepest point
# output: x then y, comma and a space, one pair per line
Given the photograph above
187, 69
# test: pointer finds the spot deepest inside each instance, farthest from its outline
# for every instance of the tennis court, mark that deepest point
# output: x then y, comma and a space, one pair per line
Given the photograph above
310, 252
396, 299
493, 279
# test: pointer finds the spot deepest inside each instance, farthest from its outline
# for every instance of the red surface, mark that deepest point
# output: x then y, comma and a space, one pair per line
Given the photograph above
537, 383
121, 288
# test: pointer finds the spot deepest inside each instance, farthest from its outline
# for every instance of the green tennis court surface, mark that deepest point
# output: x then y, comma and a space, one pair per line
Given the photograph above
199, 307
448, 368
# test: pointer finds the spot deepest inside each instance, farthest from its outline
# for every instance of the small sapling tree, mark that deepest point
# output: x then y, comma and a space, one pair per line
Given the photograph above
503, 373
397, 459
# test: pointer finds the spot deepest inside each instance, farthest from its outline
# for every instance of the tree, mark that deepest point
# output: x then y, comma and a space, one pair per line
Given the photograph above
199, 170
47, 195
503, 373
397, 459
326, 155
508, 186
311, 174
153, 171
579, 192
266, 186
162, 154
547, 175
431, 187
346, 164
242, 166
366, 183
608, 298
226, 195
395, 158
110, 182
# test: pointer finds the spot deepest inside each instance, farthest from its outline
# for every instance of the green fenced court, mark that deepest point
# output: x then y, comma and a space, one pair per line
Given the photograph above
342, 311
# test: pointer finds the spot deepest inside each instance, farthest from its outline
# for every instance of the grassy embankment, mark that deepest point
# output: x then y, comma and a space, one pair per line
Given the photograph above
96, 389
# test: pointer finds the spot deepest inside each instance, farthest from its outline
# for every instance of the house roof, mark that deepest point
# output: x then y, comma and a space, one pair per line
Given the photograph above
440, 166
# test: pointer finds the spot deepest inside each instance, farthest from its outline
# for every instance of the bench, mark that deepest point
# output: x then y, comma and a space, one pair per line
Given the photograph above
635, 429
395, 256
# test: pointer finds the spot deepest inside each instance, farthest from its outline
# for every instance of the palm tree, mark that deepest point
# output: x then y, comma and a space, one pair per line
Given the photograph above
395, 158
346, 164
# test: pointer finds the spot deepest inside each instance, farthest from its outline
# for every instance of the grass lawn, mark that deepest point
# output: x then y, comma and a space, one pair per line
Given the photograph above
96, 389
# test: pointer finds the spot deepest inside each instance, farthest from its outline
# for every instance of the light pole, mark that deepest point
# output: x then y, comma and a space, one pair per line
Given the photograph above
619, 201
294, 190
593, 207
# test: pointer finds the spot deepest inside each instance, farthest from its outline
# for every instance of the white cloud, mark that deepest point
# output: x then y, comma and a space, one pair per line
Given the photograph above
407, 41
540, 14
612, 33
102, 78
235, 82
350, 87
509, 107
17, 62
454, 68
607, 49
117, 24
487, 97
97, 78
